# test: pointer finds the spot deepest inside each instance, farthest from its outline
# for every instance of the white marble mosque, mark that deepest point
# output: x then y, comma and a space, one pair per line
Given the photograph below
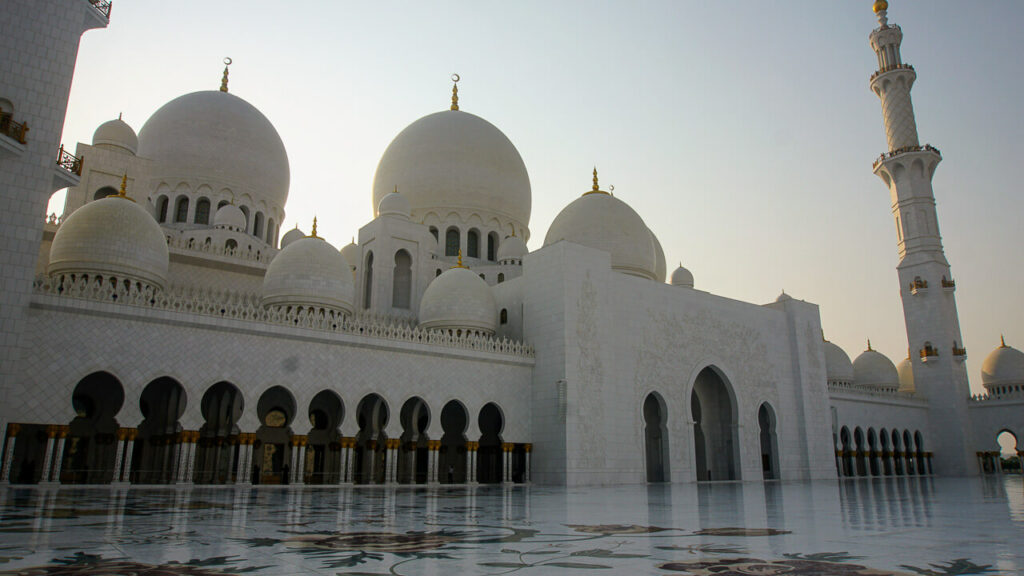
166, 330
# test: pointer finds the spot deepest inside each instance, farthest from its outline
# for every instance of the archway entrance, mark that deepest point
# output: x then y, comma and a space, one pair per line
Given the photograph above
769, 442
858, 439
714, 423
323, 456
162, 403
413, 453
370, 454
222, 406
489, 456
846, 440
1009, 452
873, 453
91, 450
655, 439
451, 460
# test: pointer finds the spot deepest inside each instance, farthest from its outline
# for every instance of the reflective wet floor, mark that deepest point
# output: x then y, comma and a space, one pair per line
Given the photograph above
905, 526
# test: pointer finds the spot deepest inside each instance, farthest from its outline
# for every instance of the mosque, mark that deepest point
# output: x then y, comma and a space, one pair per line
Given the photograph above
164, 330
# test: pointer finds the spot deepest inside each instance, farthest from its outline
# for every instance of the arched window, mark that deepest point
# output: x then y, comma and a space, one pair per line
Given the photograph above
473, 244
501, 277
368, 282
401, 286
181, 209
492, 246
222, 204
245, 210
451, 242
231, 244
257, 225
438, 273
433, 232
104, 192
161, 209
482, 277
504, 315
202, 212
270, 232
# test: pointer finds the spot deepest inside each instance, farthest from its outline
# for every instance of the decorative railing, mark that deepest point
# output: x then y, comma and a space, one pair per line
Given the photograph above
246, 307
918, 285
851, 388
103, 6
959, 351
12, 129
182, 244
948, 283
999, 396
891, 68
69, 162
894, 153
928, 351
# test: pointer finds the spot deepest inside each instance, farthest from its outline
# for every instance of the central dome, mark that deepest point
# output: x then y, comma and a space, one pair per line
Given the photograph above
217, 135
453, 161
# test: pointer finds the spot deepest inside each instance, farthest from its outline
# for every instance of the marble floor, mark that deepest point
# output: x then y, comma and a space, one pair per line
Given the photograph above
905, 526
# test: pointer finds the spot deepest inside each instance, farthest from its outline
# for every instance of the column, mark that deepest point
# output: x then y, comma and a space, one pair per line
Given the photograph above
187, 455
51, 433
5, 468
244, 475
392, 460
839, 463
471, 461
433, 451
293, 460
133, 433
506, 465
300, 471
58, 461
346, 460
526, 472
122, 436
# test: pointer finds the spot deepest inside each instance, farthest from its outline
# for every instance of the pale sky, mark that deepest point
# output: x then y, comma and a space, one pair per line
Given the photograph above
742, 131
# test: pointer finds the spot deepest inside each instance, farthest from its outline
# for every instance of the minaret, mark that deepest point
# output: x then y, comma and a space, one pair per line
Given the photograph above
926, 284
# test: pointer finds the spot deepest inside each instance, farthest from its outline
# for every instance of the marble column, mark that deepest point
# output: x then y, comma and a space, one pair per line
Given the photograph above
526, 471
346, 460
471, 461
51, 433
391, 466
122, 438
300, 470
58, 461
293, 460
245, 442
188, 456
133, 433
5, 468
433, 450
506, 464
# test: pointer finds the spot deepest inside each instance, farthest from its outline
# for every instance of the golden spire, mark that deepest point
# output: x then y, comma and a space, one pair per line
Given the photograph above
455, 91
880, 5
869, 344
313, 233
224, 79
595, 189
123, 193
1002, 342
460, 264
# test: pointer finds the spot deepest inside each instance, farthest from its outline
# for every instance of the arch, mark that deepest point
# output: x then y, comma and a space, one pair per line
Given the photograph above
104, 192
245, 211
503, 317
434, 233
451, 460
401, 281
769, 442
276, 410
846, 440
162, 404
883, 441
161, 208
919, 453
501, 277
713, 407
452, 241
222, 204
656, 438
257, 225
492, 246
873, 466
202, 212
370, 452
908, 453
368, 281
271, 232
1010, 459
858, 440
489, 455
897, 452
90, 451
323, 453
181, 209
221, 406
231, 244
413, 453
473, 243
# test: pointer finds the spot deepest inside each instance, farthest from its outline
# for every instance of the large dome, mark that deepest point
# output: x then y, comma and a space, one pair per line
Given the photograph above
455, 161
838, 367
113, 237
874, 370
600, 220
458, 299
309, 272
217, 135
1003, 366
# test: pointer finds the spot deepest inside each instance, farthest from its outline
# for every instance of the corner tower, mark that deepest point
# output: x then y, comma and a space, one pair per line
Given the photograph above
926, 284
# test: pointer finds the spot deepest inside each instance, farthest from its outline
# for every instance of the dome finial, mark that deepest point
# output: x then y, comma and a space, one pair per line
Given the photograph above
313, 233
1002, 341
880, 7
595, 188
119, 115
459, 264
455, 91
869, 344
123, 193
224, 78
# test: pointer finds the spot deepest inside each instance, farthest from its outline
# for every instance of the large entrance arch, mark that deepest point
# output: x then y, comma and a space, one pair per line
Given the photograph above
370, 454
323, 457
90, 454
414, 453
162, 403
769, 442
221, 406
489, 456
714, 421
656, 438
451, 460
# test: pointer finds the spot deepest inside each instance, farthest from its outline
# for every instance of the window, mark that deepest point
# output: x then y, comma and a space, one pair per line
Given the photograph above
473, 244
501, 277
231, 244
438, 273
451, 242
270, 232
368, 282
181, 209
202, 212
401, 286
257, 226
245, 210
492, 246
104, 192
504, 316
433, 232
161, 209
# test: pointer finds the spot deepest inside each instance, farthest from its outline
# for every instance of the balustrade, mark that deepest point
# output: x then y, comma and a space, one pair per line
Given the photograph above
69, 162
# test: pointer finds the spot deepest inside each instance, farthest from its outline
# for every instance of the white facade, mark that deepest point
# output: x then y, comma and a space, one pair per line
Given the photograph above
436, 349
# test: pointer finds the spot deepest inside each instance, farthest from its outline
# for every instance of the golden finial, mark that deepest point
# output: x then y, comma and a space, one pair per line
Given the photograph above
459, 264
1002, 342
455, 91
595, 189
224, 79
880, 5
313, 233
869, 344
123, 193
513, 230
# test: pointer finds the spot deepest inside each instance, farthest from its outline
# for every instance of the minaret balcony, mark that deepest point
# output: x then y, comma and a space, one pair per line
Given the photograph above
900, 66
959, 354
12, 134
905, 150
103, 6
948, 285
918, 286
929, 353
67, 170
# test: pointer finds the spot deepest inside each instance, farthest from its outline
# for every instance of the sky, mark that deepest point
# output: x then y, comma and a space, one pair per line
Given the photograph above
742, 131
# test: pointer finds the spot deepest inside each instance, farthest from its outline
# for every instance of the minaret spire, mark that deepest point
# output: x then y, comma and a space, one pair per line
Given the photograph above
224, 78
455, 91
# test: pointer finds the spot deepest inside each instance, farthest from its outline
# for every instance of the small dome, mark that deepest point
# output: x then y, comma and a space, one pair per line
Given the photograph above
352, 254
783, 297
458, 299
660, 267
872, 369
838, 367
905, 370
231, 217
394, 204
116, 133
114, 237
453, 160
1003, 366
217, 135
309, 272
602, 221
291, 236
512, 248
682, 277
